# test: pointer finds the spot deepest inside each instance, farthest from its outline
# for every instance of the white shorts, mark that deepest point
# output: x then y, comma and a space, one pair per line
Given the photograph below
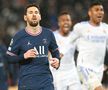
67, 80
90, 79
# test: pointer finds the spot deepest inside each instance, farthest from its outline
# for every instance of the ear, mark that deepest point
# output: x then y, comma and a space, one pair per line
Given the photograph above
40, 17
25, 17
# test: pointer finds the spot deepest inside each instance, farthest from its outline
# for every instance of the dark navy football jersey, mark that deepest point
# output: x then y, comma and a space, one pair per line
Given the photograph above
34, 72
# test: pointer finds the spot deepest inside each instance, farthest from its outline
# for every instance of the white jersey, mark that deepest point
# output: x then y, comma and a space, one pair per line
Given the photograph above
67, 49
66, 76
91, 44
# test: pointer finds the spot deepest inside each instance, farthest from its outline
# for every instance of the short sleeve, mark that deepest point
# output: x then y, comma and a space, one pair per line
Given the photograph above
53, 47
76, 32
53, 44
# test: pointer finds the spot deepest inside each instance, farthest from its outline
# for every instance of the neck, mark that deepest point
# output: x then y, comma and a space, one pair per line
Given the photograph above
63, 34
94, 23
33, 30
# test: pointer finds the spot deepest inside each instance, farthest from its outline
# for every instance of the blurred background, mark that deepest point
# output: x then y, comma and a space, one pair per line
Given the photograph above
11, 14
11, 20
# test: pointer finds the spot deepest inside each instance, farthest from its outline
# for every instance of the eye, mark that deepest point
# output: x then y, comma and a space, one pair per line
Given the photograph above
30, 12
36, 12
101, 9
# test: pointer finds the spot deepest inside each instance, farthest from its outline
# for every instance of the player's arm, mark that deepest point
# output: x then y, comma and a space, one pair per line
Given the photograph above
53, 48
12, 58
12, 53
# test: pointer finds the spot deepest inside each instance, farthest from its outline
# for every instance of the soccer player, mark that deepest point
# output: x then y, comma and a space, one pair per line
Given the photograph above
92, 35
66, 77
30, 48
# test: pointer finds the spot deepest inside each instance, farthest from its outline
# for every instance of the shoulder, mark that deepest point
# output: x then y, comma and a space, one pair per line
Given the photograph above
80, 24
105, 27
47, 31
19, 34
104, 24
56, 32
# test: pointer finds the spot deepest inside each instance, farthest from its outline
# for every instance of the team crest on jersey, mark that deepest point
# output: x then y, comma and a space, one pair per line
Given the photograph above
45, 41
11, 42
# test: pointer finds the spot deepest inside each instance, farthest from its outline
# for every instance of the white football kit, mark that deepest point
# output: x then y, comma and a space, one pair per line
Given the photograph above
91, 44
66, 77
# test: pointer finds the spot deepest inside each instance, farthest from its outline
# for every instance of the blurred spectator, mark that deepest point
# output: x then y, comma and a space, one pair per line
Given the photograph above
3, 68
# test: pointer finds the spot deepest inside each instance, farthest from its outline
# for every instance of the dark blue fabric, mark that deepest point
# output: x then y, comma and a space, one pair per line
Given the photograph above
34, 72
3, 68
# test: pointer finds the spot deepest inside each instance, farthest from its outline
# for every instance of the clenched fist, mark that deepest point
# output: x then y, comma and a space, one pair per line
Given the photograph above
55, 63
30, 54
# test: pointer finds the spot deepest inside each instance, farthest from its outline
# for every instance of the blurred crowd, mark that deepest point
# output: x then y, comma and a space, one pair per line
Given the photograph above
11, 20
11, 13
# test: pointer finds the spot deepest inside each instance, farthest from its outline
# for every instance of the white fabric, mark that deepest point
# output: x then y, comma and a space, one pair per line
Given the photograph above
90, 79
66, 76
91, 44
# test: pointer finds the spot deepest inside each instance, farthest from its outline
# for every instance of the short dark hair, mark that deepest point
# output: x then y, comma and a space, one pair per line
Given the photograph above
64, 13
30, 5
95, 2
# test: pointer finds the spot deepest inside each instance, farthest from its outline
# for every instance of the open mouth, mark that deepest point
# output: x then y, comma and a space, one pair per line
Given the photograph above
99, 17
66, 26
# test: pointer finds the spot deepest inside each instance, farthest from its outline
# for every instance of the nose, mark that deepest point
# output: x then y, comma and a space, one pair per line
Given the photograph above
34, 14
101, 12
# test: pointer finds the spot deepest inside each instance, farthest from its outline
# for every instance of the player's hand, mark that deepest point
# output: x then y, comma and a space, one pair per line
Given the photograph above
30, 54
55, 63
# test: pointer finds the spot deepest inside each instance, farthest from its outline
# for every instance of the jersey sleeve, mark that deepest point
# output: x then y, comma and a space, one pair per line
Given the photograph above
76, 32
53, 47
107, 43
13, 51
13, 48
105, 27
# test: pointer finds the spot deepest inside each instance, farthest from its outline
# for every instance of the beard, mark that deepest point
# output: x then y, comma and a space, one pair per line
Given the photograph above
33, 24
